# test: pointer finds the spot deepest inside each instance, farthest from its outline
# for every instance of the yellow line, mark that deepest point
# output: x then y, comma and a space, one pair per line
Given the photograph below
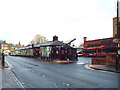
60, 61
86, 66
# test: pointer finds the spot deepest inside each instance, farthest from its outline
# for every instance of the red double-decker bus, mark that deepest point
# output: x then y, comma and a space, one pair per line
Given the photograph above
94, 51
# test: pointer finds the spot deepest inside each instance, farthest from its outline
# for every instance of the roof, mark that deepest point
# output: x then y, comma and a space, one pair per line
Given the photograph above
3, 43
100, 39
22, 48
13, 46
50, 43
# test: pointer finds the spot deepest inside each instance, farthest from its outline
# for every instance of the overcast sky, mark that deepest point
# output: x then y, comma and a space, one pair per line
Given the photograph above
21, 20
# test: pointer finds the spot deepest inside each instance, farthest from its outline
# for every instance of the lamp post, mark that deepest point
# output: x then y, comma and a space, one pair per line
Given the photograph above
117, 36
3, 57
118, 29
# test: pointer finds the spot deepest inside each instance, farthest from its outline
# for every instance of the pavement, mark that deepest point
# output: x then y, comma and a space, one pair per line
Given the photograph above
8, 79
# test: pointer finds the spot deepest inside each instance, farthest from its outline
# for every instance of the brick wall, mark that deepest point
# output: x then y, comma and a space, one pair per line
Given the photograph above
99, 42
110, 59
99, 61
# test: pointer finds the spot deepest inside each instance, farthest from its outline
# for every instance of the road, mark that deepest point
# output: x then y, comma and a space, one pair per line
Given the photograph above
33, 73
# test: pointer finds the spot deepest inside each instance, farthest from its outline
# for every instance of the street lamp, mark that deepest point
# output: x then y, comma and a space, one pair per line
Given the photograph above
118, 35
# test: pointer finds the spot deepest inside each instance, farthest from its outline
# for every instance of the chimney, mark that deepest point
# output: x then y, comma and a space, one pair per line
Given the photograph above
85, 39
55, 38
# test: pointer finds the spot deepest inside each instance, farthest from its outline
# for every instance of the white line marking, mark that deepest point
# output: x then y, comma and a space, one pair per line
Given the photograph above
18, 80
11, 66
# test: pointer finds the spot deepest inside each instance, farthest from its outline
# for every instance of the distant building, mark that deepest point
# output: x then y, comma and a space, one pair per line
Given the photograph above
6, 48
12, 47
3, 46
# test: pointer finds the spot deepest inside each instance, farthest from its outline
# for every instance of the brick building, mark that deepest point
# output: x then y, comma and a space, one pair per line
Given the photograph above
115, 26
110, 58
103, 41
99, 42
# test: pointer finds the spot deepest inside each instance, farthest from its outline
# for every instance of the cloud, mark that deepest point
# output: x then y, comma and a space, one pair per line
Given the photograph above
66, 18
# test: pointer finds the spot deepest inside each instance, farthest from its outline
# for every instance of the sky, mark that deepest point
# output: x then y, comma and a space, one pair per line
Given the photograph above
21, 20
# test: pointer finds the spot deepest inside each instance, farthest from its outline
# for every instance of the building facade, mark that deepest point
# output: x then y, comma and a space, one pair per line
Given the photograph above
115, 26
3, 46
6, 48
99, 42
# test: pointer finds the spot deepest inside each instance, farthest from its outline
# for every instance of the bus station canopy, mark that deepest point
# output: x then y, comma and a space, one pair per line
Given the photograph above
50, 43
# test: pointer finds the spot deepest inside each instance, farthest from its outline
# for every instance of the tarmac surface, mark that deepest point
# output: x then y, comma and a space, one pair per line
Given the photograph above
9, 80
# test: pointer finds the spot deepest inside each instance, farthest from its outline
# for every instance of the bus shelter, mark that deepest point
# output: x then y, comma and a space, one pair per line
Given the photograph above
56, 50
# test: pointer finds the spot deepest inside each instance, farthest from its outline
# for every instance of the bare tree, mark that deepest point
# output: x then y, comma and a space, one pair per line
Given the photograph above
39, 39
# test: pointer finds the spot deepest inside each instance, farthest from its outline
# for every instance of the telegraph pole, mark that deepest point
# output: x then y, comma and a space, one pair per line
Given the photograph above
118, 31
117, 36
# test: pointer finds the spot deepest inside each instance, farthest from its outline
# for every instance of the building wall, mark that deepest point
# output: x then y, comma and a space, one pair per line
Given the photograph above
115, 26
99, 42
3, 47
109, 60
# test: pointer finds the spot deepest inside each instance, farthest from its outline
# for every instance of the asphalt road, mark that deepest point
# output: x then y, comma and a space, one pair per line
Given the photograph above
33, 73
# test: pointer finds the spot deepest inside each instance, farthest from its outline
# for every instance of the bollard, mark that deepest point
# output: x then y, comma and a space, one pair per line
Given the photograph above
3, 59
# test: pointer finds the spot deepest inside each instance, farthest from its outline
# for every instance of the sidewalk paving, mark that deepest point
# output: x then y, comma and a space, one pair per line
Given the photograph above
105, 68
8, 79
